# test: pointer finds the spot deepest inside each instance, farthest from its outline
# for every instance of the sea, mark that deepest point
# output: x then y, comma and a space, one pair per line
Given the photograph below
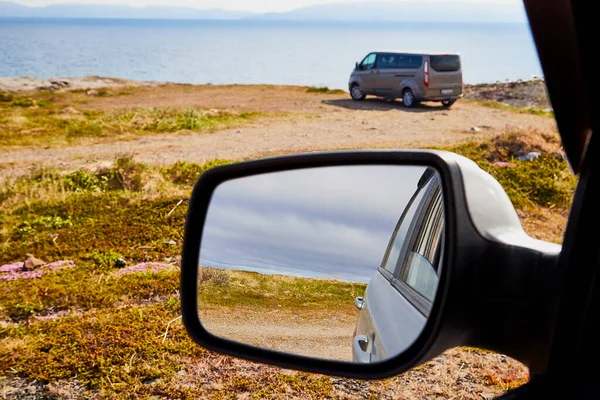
252, 52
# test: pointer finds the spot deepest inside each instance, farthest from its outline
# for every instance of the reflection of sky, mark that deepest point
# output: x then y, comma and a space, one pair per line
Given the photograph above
332, 222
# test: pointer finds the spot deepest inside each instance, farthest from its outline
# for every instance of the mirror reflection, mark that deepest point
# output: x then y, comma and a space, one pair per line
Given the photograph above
337, 263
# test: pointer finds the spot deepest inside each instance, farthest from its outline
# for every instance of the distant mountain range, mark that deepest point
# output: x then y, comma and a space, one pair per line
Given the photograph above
15, 10
407, 10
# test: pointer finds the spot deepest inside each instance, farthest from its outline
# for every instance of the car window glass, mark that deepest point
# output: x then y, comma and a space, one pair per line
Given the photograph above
445, 63
408, 61
420, 268
421, 275
369, 61
387, 61
393, 252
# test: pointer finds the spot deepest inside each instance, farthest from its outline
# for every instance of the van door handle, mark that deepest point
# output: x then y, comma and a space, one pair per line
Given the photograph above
361, 349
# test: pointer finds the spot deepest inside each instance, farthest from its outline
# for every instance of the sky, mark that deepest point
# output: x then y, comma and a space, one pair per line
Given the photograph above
333, 222
245, 5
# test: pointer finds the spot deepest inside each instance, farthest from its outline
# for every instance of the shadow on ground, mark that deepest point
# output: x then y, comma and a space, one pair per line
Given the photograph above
376, 104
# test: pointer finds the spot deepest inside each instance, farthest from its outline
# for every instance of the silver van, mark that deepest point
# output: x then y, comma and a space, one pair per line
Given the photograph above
413, 77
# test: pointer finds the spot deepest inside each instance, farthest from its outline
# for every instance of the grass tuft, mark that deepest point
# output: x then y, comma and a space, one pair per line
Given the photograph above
6, 97
23, 103
28, 122
183, 172
323, 89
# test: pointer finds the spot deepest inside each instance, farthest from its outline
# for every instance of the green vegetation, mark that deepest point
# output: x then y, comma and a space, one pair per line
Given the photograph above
120, 349
545, 181
23, 103
119, 335
236, 288
183, 172
5, 97
324, 90
90, 286
137, 227
25, 121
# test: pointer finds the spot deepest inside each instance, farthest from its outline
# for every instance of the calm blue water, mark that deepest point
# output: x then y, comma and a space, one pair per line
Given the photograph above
222, 52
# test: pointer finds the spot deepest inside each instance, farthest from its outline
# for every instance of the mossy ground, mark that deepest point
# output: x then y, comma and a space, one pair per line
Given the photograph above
50, 118
323, 89
106, 333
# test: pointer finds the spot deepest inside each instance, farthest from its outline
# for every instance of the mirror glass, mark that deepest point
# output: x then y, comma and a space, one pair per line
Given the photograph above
336, 263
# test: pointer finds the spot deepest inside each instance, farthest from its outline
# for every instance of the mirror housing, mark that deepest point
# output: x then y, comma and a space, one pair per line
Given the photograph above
489, 293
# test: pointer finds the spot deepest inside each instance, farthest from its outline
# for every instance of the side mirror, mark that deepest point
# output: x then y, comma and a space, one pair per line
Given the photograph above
359, 264
357, 65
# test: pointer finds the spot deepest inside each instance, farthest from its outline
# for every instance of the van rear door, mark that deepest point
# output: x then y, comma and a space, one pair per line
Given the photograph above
445, 75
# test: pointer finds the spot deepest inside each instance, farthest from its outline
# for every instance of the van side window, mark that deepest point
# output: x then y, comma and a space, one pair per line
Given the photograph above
387, 61
369, 61
409, 61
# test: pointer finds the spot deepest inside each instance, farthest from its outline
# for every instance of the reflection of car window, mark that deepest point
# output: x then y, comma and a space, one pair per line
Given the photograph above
391, 258
421, 275
419, 270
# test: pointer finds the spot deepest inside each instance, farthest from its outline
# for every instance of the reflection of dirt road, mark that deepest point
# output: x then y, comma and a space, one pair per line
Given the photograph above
320, 336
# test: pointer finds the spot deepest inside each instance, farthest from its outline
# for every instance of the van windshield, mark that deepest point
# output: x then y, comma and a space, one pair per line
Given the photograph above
446, 63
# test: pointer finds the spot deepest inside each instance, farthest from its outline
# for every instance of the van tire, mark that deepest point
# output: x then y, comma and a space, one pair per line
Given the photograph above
448, 103
356, 93
408, 98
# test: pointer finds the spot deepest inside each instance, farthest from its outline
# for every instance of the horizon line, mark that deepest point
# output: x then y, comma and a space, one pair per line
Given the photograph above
263, 20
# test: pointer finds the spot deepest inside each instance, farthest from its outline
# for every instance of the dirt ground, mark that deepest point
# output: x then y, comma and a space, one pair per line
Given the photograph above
301, 122
307, 333
298, 121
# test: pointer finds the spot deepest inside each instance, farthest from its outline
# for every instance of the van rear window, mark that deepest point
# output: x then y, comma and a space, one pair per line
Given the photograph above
447, 63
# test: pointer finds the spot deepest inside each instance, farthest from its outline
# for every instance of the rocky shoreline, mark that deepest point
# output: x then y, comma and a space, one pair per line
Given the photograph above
19, 84
520, 94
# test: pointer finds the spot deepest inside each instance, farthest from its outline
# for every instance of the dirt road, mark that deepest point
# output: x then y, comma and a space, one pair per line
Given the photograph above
308, 333
312, 121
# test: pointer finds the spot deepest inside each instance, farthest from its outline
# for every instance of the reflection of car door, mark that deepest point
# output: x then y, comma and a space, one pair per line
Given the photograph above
390, 319
368, 74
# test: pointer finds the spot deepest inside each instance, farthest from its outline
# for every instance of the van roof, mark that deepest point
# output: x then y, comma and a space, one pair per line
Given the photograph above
420, 53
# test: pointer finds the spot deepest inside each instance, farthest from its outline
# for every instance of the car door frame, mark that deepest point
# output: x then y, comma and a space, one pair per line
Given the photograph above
419, 301
367, 77
385, 78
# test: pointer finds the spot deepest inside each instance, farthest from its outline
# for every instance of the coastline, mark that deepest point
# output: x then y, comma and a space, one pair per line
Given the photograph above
518, 93
21, 84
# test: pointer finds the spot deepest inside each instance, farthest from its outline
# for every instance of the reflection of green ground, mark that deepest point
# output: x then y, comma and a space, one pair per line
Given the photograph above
239, 288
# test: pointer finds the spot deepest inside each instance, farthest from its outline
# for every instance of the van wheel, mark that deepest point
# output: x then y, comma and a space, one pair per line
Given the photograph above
448, 103
357, 93
408, 98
